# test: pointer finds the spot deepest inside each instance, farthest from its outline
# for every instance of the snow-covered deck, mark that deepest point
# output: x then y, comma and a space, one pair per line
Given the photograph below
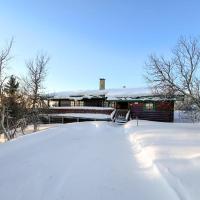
100, 160
81, 108
92, 116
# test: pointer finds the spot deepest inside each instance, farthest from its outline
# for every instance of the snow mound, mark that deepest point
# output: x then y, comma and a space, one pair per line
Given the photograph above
101, 160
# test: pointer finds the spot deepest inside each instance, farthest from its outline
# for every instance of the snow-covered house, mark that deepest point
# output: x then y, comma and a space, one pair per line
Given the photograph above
141, 102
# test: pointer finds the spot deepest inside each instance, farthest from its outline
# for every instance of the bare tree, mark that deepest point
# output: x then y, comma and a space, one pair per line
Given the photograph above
37, 72
179, 74
4, 59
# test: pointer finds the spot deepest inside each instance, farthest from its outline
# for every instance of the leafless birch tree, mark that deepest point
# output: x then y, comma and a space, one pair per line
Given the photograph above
4, 59
178, 74
37, 71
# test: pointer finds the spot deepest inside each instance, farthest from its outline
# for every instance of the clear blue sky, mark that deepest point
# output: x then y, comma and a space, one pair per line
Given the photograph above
89, 39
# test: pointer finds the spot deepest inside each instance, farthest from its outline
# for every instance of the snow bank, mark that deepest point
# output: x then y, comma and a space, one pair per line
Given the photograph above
29, 129
102, 160
172, 149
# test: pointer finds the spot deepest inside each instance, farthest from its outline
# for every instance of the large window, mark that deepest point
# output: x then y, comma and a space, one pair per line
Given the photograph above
53, 103
72, 103
64, 103
149, 106
81, 103
112, 104
106, 104
77, 103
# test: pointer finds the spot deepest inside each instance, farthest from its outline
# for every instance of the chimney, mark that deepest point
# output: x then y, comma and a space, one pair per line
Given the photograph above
102, 83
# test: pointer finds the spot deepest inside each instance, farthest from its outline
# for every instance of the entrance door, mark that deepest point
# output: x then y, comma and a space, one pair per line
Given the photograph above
122, 105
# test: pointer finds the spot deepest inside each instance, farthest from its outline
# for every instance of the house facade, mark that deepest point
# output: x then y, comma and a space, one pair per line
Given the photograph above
140, 102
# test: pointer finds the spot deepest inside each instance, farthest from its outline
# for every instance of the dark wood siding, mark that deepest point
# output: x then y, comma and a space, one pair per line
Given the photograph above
163, 111
94, 102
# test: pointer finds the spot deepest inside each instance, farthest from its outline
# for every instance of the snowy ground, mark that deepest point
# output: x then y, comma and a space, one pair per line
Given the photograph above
28, 129
102, 160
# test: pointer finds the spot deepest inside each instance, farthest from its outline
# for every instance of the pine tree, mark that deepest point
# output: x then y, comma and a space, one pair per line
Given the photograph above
12, 86
13, 105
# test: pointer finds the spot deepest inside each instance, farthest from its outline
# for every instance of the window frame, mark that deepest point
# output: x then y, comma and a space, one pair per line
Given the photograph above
149, 106
81, 103
72, 104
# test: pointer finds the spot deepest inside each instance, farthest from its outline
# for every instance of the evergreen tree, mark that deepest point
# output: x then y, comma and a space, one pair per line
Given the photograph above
11, 88
14, 107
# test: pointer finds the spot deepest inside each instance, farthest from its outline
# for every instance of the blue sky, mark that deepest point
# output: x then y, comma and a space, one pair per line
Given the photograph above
88, 39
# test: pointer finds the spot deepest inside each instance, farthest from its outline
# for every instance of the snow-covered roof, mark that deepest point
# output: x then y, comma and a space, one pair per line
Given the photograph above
110, 94
127, 93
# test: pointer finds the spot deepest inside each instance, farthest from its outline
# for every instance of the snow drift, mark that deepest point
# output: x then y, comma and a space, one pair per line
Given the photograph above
100, 160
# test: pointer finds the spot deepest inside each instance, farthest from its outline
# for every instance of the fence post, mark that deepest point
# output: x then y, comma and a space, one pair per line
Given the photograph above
137, 120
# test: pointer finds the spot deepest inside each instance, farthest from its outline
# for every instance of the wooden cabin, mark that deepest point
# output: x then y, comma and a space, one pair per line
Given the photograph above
140, 101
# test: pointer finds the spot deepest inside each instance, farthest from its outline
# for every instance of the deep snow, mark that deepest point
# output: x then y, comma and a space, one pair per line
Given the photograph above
101, 160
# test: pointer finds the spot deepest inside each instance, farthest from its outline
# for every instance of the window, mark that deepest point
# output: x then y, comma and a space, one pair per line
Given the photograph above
72, 103
77, 103
149, 106
81, 103
64, 103
112, 104
106, 104
53, 103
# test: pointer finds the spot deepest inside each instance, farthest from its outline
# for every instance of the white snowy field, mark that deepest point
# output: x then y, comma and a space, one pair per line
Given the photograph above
29, 129
102, 160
